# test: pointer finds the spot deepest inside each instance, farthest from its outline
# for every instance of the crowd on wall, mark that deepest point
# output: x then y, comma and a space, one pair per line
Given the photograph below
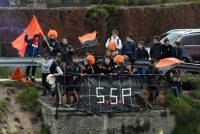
60, 60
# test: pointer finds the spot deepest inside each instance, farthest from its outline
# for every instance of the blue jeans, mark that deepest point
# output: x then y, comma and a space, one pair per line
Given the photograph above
176, 91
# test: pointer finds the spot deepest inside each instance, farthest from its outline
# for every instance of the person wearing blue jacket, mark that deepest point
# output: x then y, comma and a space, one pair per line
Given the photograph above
129, 48
32, 52
177, 51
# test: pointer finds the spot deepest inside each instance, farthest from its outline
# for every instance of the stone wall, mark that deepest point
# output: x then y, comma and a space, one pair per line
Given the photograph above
71, 22
72, 122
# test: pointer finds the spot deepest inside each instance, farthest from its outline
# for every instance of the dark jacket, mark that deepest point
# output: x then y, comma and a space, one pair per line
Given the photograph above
32, 49
177, 52
142, 54
106, 69
151, 77
155, 51
52, 43
129, 48
66, 53
166, 51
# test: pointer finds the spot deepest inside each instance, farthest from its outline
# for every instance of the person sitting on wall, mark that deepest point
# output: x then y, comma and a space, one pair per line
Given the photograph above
114, 43
129, 48
175, 84
51, 45
106, 67
66, 52
32, 51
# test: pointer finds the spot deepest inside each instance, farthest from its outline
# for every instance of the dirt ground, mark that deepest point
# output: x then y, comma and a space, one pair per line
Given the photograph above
14, 119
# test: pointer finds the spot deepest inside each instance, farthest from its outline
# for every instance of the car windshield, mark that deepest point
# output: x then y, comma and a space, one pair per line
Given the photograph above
172, 37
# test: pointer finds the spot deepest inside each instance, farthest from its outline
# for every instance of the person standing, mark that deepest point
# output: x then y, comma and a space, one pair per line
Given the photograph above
177, 51
51, 45
46, 64
129, 48
166, 49
66, 52
114, 43
155, 50
142, 54
32, 51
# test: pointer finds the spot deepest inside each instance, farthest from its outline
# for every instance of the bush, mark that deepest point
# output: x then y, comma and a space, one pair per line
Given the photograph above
29, 99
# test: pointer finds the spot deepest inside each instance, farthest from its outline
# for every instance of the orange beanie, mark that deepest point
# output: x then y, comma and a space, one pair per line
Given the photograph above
119, 59
52, 34
90, 59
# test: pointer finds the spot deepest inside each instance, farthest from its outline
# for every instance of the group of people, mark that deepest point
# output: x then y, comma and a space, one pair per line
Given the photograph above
61, 61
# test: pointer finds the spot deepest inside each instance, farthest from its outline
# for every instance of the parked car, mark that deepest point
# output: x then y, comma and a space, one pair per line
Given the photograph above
189, 40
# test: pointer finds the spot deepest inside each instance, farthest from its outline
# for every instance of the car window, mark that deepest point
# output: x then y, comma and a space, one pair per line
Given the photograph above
192, 40
172, 37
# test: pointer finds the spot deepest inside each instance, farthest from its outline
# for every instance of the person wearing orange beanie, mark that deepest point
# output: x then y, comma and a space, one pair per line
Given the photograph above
89, 64
51, 45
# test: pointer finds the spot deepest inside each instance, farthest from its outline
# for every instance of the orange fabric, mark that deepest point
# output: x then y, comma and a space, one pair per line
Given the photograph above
17, 74
119, 59
91, 59
32, 29
112, 46
52, 34
87, 37
167, 62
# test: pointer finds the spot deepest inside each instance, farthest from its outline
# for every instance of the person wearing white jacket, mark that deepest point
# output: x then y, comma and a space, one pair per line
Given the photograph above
117, 41
45, 68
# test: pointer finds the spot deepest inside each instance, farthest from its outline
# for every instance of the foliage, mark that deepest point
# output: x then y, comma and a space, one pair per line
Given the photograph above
138, 2
187, 109
28, 98
45, 129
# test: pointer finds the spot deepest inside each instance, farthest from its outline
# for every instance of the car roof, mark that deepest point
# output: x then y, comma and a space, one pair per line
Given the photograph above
184, 31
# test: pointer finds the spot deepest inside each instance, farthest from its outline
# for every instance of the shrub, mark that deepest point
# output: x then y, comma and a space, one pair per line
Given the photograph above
28, 98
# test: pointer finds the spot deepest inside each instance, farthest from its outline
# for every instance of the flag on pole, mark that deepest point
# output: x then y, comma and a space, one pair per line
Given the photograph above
88, 39
32, 29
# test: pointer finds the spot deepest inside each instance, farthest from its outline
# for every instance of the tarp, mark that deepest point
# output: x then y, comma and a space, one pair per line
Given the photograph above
32, 29
163, 63
109, 93
87, 37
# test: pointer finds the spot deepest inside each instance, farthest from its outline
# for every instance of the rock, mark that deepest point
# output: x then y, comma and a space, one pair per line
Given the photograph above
17, 120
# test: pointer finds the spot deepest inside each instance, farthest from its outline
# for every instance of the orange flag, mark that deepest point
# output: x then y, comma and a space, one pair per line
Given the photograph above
32, 29
168, 62
88, 37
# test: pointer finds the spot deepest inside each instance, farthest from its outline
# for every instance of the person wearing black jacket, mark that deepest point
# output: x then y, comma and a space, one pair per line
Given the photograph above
106, 67
142, 54
155, 50
66, 51
152, 81
166, 49
50, 45
32, 51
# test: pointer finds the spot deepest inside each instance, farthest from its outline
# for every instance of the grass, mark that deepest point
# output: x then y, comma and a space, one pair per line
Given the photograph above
28, 99
4, 109
7, 72
28, 95
186, 109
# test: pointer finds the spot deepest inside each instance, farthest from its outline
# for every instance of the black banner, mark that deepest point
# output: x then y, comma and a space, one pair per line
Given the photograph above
109, 93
